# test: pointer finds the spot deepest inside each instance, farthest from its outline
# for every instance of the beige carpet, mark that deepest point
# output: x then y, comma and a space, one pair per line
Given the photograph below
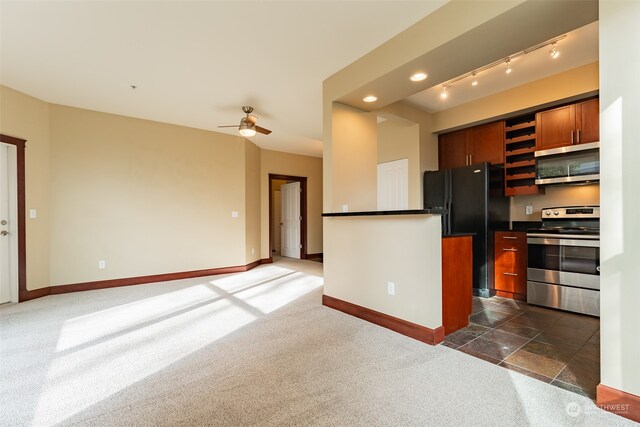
256, 348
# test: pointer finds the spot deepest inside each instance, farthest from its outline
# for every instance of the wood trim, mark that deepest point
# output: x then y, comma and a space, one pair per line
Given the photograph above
409, 329
36, 293
139, 280
303, 210
319, 256
618, 402
20, 145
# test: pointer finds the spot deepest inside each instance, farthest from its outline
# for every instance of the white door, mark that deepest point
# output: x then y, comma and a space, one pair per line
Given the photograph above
8, 225
393, 185
291, 219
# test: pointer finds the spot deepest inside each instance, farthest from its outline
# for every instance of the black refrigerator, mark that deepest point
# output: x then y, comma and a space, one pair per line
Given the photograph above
473, 200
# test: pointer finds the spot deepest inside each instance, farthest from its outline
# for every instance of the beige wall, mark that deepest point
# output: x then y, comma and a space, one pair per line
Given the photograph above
428, 140
563, 85
26, 117
276, 162
252, 202
146, 197
570, 195
354, 159
364, 253
619, 153
400, 139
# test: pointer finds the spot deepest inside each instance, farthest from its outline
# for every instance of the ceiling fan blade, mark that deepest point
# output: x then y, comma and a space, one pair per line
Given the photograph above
263, 130
228, 126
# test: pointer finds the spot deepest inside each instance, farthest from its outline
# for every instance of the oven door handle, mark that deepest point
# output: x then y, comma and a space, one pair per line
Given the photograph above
563, 242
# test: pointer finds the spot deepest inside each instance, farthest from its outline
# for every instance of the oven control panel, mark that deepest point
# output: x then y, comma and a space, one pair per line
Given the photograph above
572, 212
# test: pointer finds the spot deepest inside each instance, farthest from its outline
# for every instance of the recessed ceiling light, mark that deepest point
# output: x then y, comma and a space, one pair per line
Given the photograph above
370, 98
418, 77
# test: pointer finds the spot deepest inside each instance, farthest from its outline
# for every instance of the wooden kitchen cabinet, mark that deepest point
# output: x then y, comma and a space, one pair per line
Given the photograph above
568, 125
485, 143
478, 144
457, 282
452, 149
510, 264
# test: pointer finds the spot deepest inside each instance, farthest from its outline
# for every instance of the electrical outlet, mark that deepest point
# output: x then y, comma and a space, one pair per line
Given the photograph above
345, 208
391, 288
234, 214
102, 264
528, 210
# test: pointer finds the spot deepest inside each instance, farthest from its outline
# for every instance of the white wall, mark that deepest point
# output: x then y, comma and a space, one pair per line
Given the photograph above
620, 195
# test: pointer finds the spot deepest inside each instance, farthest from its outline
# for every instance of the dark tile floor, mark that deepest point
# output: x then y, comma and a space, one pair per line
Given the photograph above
553, 346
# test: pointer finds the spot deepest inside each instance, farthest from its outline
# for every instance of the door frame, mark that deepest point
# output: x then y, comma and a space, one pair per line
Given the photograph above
23, 294
303, 211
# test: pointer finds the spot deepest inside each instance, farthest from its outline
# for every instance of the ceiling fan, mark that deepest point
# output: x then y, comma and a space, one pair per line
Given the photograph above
247, 126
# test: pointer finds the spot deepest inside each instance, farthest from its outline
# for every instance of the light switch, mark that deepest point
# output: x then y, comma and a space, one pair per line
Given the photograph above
32, 213
528, 210
345, 208
234, 214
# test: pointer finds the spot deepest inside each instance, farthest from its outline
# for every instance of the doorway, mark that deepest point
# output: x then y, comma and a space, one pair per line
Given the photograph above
12, 220
287, 236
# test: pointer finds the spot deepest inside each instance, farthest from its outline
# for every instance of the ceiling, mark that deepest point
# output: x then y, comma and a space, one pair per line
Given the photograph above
579, 47
196, 63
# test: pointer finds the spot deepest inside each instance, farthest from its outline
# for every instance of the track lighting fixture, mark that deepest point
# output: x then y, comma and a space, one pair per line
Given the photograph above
554, 52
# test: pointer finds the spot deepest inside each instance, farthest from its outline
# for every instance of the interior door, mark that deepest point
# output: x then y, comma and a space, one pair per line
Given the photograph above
393, 185
8, 229
291, 220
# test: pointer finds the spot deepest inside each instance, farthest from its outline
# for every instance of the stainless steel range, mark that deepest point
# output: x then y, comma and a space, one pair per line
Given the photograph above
563, 267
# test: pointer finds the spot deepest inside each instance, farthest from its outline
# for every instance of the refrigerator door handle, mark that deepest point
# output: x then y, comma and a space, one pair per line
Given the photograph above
449, 197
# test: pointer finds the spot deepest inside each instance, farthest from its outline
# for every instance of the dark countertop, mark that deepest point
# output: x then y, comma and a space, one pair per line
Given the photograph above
459, 235
387, 213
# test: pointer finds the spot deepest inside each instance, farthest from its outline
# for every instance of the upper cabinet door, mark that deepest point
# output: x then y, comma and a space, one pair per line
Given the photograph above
452, 149
588, 121
486, 143
556, 128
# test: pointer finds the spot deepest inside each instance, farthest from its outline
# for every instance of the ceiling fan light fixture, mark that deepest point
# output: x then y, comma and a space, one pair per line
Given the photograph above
247, 130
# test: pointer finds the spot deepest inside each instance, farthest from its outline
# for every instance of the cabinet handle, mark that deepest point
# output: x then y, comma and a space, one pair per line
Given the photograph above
510, 274
509, 237
578, 138
510, 249
572, 137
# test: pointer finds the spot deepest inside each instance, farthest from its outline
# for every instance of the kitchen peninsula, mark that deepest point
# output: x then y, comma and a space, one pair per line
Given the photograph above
387, 269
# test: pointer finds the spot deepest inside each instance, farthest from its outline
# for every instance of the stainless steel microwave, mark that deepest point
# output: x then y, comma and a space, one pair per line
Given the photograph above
568, 165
